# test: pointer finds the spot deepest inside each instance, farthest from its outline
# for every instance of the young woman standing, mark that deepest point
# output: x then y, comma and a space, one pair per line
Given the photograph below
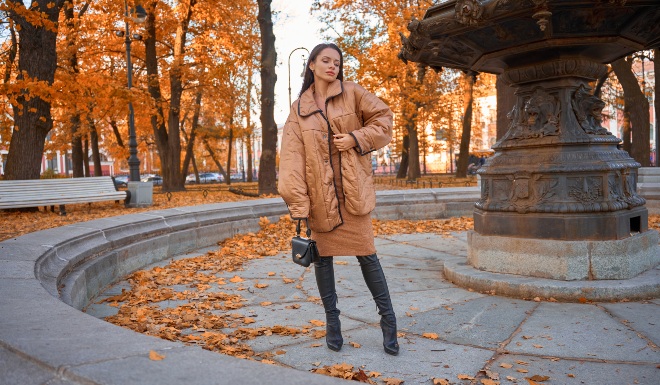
326, 177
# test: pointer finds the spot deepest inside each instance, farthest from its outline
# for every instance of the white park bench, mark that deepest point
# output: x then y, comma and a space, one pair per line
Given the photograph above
51, 192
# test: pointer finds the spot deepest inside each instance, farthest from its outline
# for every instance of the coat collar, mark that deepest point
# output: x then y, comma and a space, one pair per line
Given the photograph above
307, 105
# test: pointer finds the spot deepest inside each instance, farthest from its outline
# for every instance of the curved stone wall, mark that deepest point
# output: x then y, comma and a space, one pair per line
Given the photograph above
48, 275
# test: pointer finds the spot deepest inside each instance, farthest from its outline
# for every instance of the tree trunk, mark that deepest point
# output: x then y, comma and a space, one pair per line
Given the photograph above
77, 156
464, 155
86, 157
636, 109
215, 160
250, 172
403, 166
96, 154
248, 118
656, 120
229, 148
37, 60
267, 173
506, 100
75, 121
168, 140
190, 152
413, 150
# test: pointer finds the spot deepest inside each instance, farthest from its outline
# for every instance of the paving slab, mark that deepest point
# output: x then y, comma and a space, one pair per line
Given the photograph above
572, 372
641, 317
580, 331
484, 322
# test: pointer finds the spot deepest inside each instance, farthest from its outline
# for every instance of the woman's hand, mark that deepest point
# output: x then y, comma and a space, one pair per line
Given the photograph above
343, 142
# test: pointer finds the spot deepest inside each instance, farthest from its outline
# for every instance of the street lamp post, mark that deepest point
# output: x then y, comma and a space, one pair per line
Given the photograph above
133, 160
141, 193
303, 73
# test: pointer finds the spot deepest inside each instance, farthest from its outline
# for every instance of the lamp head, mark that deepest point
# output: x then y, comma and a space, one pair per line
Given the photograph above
138, 14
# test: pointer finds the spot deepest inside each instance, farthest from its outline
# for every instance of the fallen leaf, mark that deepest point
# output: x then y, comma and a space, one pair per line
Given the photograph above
341, 263
248, 320
440, 381
505, 365
316, 322
316, 346
465, 377
432, 336
261, 285
537, 346
236, 279
374, 374
392, 381
527, 337
294, 306
486, 381
288, 280
153, 356
280, 352
511, 378
414, 308
355, 345
538, 378
266, 303
271, 273
522, 370
571, 375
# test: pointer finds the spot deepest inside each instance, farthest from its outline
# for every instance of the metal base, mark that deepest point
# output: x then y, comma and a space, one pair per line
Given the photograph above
141, 194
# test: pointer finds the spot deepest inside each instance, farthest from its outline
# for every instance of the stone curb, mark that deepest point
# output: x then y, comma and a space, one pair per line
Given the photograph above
47, 275
643, 286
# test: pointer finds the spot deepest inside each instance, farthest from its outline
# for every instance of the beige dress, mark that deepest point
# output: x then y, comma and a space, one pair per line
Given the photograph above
355, 237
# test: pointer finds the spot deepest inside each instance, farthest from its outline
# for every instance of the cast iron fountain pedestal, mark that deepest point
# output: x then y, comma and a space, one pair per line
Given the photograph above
558, 198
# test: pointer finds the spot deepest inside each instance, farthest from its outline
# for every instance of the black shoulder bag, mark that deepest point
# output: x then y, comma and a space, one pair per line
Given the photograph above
303, 250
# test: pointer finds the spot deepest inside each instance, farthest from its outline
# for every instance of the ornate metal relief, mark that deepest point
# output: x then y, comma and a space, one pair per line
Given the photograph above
469, 12
411, 46
539, 117
588, 111
585, 189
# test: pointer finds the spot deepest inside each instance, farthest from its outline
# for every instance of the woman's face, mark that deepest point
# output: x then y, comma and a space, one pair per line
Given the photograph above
326, 65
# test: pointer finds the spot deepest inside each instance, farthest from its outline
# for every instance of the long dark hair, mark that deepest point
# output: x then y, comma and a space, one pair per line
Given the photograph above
309, 75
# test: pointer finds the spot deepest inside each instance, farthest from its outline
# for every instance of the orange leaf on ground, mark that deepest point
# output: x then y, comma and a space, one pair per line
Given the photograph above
432, 336
465, 377
153, 356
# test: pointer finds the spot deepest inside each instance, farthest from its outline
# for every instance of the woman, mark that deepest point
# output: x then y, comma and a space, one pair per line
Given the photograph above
325, 177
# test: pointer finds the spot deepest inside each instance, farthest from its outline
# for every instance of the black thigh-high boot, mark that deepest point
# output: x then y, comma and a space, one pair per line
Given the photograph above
325, 280
375, 279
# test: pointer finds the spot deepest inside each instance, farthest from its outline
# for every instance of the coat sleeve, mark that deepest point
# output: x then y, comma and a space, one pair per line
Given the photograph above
378, 120
292, 184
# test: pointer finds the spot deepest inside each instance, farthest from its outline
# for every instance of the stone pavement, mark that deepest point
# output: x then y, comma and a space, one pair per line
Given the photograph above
512, 339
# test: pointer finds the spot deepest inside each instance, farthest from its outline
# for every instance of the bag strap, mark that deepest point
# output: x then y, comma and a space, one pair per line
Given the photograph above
308, 232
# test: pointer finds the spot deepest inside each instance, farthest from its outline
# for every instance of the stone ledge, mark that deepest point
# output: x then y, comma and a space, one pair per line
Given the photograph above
644, 286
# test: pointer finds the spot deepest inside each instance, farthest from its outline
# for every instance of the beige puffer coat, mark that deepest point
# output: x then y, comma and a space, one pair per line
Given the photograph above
306, 170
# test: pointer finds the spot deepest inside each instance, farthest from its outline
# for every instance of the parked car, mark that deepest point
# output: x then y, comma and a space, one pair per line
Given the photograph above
121, 180
206, 177
155, 179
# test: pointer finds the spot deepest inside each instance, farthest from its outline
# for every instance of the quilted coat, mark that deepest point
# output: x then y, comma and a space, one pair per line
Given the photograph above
306, 169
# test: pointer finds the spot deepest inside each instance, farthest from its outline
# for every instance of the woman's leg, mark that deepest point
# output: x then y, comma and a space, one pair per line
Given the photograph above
325, 280
375, 279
